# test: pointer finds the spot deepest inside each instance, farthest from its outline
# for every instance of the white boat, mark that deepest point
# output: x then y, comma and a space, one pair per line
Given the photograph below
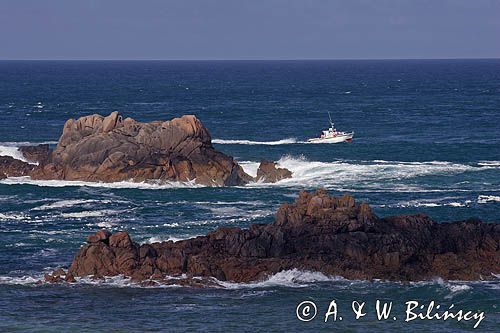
331, 135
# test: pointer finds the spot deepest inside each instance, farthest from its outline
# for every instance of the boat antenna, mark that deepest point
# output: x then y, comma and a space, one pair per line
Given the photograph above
330, 117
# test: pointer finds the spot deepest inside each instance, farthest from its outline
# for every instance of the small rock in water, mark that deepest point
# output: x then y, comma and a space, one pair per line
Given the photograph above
270, 173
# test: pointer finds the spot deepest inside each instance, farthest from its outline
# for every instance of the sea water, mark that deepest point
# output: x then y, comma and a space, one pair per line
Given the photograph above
427, 139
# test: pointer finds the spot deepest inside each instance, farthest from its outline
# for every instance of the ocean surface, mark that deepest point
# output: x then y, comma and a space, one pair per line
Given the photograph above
427, 139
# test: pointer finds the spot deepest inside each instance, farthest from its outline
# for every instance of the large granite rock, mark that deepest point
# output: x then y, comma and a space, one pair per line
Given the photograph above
333, 235
110, 149
11, 167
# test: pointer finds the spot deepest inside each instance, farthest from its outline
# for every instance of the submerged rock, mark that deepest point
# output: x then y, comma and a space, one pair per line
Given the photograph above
318, 232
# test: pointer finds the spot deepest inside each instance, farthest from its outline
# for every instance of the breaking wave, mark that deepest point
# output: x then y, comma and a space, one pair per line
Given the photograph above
293, 278
20, 280
12, 149
489, 163
18, 217
488, 199
90, 213
70, 203
376, 175
160, 239
124, 184
341, 175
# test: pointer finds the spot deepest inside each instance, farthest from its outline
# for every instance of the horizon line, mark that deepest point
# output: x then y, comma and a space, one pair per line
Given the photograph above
262, 59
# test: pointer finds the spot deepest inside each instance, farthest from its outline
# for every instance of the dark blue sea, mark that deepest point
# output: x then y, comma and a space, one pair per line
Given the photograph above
427, 139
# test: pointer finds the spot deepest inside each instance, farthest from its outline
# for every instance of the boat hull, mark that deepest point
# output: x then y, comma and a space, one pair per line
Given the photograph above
335, 139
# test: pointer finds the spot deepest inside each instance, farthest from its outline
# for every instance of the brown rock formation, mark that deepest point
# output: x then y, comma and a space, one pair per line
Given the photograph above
109, 149
36, 154
10, 167
268, 172
333, 235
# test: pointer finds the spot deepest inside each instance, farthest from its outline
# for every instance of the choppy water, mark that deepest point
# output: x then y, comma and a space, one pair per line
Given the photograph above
427, 139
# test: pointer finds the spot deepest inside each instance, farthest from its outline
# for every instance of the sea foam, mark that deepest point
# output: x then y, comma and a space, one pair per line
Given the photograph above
341, 175
376, 174
153, 185
12, 149
250, 142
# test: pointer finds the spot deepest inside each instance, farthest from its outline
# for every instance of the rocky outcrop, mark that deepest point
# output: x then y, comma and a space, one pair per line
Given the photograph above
39, 154
269, 172
11, 167
109, 149
333, 235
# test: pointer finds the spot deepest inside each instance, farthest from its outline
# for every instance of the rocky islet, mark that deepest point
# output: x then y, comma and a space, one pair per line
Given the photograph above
318, 232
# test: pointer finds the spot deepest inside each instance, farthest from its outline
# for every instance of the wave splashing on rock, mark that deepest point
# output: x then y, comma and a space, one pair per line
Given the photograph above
335, 236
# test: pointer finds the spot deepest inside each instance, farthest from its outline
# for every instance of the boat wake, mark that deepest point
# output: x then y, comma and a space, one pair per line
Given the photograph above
287, 141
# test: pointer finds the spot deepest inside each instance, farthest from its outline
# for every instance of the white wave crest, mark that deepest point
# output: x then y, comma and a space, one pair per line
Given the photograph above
456, 204
436, 202
123, 184
250, 167
227, 211
482, 199
20, 280
160, 239
490, 163
294, 278
250, 142
377, 174
69, 203
342, 175
456, 288
90, 213
119, 281
106, 224
12, 149
19, 244
13, 216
